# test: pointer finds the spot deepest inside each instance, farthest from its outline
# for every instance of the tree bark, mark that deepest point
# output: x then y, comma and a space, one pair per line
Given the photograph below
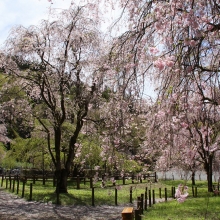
61, 176
208, 168
210, 189
193, 178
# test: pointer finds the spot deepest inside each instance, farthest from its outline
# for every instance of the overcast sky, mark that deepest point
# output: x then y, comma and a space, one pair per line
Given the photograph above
25, 13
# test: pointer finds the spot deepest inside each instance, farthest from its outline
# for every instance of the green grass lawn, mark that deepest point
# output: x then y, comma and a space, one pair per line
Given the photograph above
204, 206
191, 209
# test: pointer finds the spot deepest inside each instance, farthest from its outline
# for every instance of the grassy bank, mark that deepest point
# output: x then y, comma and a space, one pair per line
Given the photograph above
204, 206
192, 209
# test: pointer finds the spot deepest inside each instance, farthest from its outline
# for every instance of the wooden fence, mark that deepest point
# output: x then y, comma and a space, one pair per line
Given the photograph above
138, 178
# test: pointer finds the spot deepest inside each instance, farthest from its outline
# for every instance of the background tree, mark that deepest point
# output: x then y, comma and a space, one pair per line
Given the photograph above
178, 44
57, 66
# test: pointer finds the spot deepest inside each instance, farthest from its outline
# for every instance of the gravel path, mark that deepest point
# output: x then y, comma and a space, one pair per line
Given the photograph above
16, 208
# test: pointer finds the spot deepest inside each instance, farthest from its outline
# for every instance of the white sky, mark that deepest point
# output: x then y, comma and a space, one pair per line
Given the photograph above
25, 13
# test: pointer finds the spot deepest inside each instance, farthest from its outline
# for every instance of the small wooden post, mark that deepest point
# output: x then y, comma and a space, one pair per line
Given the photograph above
34, 179
132, 178
78, 182
160, 193
23, 188
44, 177
155, 177
153, 192
165, 194
137, 214
91, 184
31, 187
2, 180
149, 197
6, 184
174, 192
142, 203
140, 179
13, 185
18, 186
145, 201
131, 194
9, 182
93, 196
116, 196
123, 180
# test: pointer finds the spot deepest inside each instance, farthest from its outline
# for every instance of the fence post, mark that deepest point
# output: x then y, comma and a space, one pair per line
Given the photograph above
174, 191
160, 193
149, 198
142, 203
123, 180
6, 183
43, 177
2, 180
132, 177
165, 194
131, 194
18, 186
93, 196
153, 192
34, 178
9, 182
30, 191
155, 177
137, 214
140, 178
91, 184
116, 196
78, 182
23, 188
145, 203
13, 185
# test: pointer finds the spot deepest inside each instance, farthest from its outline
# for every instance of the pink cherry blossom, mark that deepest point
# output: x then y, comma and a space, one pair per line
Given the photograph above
159, 64
153, 50
181, 193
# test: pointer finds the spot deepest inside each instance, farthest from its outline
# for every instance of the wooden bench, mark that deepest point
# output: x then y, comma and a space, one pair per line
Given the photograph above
128, 213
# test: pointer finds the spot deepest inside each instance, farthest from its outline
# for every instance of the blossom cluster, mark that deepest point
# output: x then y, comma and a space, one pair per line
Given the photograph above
181, 193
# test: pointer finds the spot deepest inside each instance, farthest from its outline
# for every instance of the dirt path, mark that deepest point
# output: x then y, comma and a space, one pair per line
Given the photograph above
16, 208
